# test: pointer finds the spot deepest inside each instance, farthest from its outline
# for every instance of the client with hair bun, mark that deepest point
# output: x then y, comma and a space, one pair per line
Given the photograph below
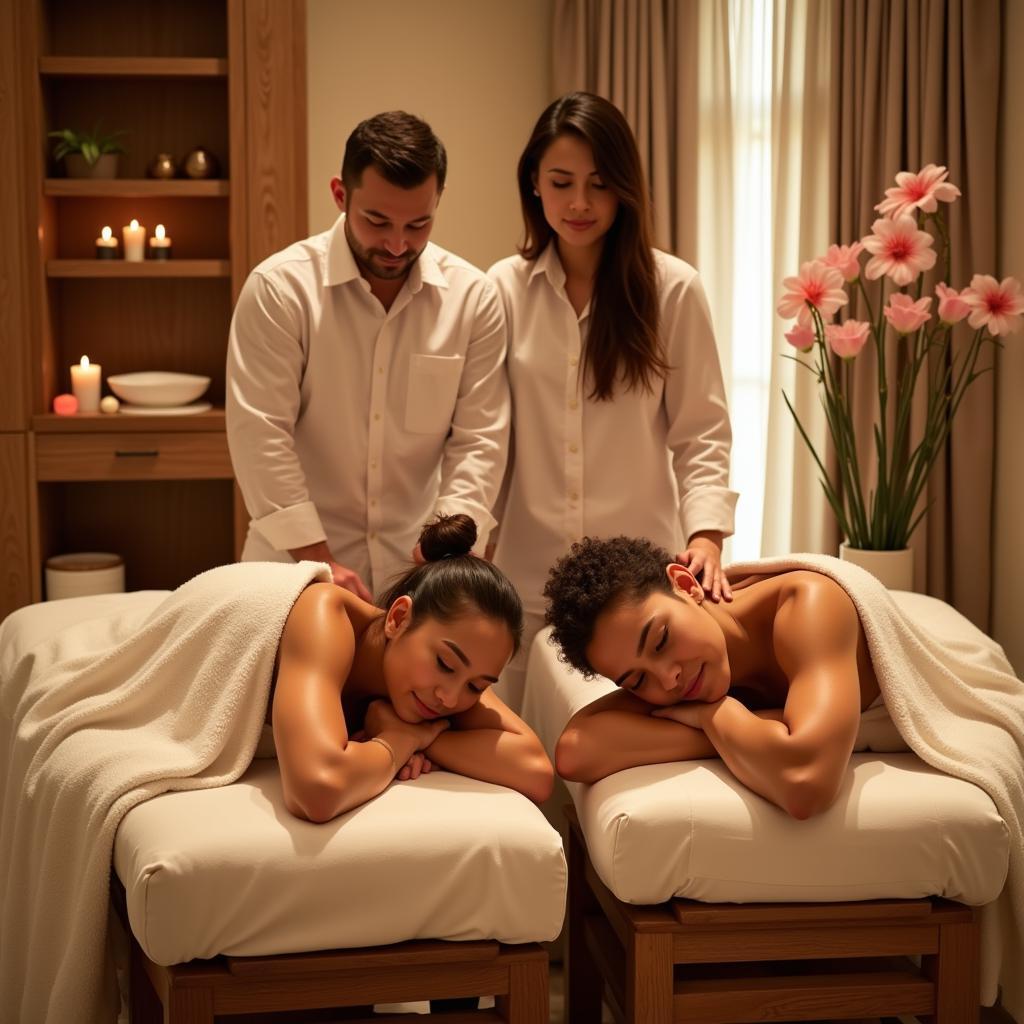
364, 693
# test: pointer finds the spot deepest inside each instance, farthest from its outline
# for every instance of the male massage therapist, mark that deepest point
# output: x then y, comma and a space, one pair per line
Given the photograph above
366, 384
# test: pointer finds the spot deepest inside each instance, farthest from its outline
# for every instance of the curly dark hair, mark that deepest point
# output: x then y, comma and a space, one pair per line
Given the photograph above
596, 575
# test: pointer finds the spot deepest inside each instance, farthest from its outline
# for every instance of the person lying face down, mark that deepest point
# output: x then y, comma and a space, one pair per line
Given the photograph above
363, 694
773, 683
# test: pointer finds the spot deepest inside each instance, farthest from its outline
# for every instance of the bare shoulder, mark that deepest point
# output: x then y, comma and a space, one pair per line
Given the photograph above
815, 616
319, 622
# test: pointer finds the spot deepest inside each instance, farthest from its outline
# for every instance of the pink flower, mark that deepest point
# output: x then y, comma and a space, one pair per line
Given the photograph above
905, 314
994, 304
801, 336
844, 259
898, 250
918, 192
817, 284
848, 338
953, 305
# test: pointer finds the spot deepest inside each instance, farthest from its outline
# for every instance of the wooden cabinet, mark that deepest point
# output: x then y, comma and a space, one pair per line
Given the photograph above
227, 75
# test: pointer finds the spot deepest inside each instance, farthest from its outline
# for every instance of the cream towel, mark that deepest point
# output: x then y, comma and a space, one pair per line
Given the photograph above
97, 719
960, 708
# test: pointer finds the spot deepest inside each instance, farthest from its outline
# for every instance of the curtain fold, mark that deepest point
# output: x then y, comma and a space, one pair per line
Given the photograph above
918, 83
797, 516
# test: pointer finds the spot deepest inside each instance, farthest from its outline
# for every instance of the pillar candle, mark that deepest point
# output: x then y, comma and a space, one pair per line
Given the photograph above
160, 245
106, 245
134, 241
85, 385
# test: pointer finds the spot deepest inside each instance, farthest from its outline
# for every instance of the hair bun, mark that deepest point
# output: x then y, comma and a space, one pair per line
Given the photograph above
448, 537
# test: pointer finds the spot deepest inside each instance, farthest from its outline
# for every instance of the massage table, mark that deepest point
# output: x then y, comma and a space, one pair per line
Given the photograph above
694, 899
437, 889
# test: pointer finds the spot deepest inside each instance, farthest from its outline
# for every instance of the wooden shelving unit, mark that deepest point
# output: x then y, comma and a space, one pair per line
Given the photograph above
156, 489
136, 188
147, 268
133, 67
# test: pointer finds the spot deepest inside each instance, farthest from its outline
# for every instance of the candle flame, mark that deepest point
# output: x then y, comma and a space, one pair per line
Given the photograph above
85, 361
105, 234
134, 224
160, 231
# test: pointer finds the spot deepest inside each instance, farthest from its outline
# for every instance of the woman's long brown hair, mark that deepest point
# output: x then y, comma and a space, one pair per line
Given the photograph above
622, 343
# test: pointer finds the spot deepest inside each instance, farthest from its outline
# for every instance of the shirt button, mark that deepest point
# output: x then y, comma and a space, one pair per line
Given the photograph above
574, 448
373, 465
380, 369
574, 361
373, 536
574, 496
376, 415
574, 404
373, 502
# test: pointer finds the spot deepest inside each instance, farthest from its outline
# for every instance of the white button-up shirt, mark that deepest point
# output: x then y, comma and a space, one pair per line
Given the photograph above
353, 424
652, 465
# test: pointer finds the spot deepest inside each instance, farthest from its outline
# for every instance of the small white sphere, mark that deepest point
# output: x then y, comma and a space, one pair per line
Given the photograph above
109, 404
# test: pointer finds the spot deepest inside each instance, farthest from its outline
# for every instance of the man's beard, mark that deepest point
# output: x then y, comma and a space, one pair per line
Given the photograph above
368, 260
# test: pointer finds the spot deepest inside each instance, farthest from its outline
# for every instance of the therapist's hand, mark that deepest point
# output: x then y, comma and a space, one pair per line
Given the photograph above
340, 574
703, 557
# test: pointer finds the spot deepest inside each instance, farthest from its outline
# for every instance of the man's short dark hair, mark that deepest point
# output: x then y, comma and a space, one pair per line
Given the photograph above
402, 148
594, 576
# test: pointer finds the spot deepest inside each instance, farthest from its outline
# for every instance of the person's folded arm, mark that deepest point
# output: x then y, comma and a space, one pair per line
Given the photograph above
798, 763
491, 743
617, 732
323, 772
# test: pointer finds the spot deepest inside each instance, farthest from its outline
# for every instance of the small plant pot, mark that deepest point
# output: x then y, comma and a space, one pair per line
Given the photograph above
78, 167
893, 569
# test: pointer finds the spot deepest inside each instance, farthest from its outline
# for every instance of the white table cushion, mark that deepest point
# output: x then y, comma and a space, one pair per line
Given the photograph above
899, 829
230, 870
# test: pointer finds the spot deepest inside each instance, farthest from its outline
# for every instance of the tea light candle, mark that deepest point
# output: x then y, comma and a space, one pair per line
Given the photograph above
85, 383
65, 405
106, 245
160, 245
134, 241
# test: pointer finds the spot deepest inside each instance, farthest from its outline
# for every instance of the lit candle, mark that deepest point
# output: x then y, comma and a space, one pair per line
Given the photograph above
134, 241
160, 245
65, 405
85, 383
106, 245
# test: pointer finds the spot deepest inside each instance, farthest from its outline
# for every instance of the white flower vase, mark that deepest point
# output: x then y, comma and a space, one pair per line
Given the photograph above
893, 569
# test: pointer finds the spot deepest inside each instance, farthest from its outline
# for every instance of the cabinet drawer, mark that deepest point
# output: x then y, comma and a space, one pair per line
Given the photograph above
134, 456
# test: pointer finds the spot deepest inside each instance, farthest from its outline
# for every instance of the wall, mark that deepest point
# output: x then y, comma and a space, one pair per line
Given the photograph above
476, 70
1008, 574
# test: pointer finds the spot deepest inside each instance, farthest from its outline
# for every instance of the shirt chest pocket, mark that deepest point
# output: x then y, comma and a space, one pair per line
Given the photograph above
432, 390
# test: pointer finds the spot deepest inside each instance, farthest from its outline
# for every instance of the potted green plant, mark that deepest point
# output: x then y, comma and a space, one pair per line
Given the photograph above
88, 154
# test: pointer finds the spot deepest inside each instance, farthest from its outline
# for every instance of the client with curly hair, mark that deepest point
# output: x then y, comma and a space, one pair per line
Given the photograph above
773, 683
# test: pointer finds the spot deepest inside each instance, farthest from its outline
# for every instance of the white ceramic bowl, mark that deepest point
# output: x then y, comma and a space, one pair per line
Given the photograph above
158, 388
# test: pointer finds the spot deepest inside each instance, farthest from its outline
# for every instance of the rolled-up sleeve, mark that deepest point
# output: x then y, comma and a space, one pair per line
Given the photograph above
266, 357
476, 450
699, 432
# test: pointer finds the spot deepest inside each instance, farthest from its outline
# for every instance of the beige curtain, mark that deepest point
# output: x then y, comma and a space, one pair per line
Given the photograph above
918, 83
797, 516
643, 56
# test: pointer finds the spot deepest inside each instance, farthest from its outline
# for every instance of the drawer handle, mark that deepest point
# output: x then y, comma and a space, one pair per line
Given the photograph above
151, 453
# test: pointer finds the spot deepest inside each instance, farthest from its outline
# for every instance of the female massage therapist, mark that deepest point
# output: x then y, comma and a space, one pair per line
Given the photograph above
363, 694
619, 416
